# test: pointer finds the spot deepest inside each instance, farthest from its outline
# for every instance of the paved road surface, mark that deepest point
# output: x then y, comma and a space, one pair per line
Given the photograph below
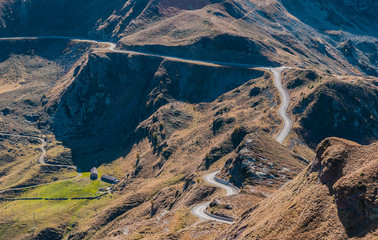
230, 190
112, 47
199, 209
285, 101
42, 147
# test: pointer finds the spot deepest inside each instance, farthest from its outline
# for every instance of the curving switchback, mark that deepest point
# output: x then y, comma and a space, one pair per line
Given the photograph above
212, 179
200, 209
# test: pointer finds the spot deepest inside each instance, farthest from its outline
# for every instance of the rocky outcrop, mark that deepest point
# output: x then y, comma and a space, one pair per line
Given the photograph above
334, 198
260, 160
353, 183
97, 99
347, 110
49, 233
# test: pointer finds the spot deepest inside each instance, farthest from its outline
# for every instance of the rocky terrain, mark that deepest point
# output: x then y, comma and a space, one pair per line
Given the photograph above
139, 85
29, 69
159, 124
261, 161
334, 198
241, 31
352, 16
327, 106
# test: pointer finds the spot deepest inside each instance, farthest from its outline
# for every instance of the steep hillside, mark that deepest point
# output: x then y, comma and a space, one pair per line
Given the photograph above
160, 144
257, 28
340, 109
28, 70
159, 123
62, 17
260, 160
167, 213
85, 107
335, 198
352, 16
327, 106
255, 32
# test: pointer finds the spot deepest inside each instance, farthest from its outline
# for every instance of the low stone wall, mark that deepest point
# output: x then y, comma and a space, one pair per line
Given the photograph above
19, 199
53, 199
227, 219
225, 182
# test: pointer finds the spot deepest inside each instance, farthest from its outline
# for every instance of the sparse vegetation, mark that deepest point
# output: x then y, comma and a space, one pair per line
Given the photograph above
238, 134
157, 123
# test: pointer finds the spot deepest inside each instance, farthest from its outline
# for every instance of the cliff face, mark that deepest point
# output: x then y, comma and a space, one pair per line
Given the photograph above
305, 207
112, 93
351, 177
96, 100
156, 123
28, 70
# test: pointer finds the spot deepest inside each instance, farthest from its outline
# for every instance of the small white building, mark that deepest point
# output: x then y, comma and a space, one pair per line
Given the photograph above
94, 174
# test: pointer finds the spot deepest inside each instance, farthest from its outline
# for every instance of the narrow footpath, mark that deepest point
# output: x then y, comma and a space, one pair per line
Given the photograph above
41, 160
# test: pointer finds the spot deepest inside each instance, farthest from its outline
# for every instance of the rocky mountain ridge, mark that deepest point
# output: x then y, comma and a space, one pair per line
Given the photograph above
323, 201
212, 29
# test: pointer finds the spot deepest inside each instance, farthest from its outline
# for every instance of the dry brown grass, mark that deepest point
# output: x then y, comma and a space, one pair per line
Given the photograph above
305, 208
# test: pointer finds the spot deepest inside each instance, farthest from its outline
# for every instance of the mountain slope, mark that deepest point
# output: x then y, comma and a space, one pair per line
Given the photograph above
85, 106
159, 124
256, 32
325, 105
351, 16
334, 198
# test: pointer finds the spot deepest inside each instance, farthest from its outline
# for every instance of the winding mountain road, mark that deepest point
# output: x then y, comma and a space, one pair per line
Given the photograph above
285, 101
200, 209
42, 147
284, 95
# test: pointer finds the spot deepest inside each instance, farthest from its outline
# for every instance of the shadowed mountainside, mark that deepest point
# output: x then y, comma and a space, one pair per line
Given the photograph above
255, 32
351, 16
336, 108
86, 106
